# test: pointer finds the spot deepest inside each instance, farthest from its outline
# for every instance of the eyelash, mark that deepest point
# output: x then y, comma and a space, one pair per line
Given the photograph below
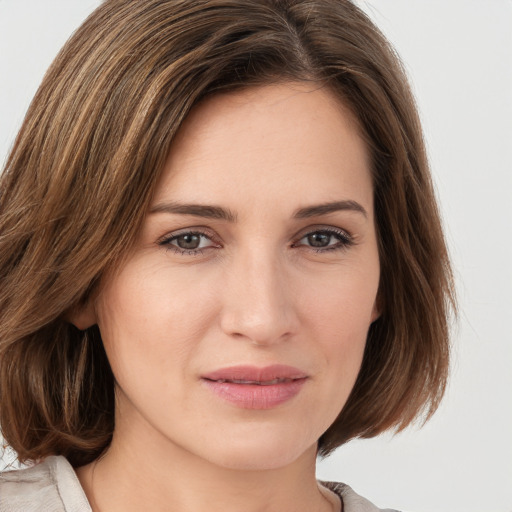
345, 240
167, 243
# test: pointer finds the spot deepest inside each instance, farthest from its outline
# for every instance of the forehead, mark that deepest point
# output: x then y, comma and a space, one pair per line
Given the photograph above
292, 137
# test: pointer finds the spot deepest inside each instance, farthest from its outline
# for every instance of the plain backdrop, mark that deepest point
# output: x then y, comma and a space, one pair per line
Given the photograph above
458, 54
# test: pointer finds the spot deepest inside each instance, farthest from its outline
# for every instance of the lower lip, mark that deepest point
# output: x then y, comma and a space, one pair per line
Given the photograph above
254, 396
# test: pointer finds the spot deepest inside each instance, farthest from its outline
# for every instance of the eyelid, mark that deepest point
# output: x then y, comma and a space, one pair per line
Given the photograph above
197, 230
165, 241
347, 239
323, 227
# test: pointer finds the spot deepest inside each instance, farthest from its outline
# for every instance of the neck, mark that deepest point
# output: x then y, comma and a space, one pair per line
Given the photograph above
141, 476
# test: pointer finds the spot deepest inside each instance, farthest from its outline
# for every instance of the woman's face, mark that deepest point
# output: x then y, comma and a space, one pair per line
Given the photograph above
236, 328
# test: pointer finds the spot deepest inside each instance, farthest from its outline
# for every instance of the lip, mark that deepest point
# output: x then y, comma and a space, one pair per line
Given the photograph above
251, 387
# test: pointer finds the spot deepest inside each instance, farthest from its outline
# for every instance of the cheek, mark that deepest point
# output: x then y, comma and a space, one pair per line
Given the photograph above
339, 313
341, 304
151, 318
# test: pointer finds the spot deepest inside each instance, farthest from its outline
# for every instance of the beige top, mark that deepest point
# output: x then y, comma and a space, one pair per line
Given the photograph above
53, 486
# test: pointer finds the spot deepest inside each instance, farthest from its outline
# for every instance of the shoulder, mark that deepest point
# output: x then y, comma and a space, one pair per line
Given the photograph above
352, 502
49, 485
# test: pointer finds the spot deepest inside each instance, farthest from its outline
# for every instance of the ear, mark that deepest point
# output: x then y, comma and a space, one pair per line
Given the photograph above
83, 316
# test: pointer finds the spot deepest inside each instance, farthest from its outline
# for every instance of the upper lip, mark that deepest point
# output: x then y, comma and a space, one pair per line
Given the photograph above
255, 374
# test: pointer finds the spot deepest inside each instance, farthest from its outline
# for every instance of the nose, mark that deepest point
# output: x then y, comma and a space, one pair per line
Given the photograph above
257, 299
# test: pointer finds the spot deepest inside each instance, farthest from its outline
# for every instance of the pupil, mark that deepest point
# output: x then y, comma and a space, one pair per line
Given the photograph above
189, 241
319, 239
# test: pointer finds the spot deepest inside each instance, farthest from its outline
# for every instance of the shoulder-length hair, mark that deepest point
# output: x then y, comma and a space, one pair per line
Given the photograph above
83, 169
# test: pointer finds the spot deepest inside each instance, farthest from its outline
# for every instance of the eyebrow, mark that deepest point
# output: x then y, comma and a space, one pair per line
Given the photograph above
217, 212
198, 210
325, 208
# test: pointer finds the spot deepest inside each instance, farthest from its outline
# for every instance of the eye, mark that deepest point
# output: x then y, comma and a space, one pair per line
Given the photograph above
322, 240
189, 242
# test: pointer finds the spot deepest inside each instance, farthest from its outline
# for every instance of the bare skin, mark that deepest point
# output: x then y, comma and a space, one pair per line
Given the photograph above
259, 249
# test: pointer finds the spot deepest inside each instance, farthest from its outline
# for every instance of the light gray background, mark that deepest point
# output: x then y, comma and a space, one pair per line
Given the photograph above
459, 57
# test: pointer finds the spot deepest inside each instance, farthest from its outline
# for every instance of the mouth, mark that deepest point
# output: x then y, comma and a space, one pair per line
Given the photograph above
267, 375
254, 382
249, 387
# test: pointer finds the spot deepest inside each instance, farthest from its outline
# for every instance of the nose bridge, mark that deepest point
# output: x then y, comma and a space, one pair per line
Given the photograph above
257, 300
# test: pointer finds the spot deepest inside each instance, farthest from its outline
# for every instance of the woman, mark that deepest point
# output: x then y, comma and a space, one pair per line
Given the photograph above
220, 255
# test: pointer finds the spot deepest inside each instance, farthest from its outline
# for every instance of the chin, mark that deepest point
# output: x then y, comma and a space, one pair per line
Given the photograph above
258, 453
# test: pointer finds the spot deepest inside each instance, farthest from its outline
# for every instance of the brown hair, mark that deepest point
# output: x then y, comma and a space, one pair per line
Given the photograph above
83, 169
